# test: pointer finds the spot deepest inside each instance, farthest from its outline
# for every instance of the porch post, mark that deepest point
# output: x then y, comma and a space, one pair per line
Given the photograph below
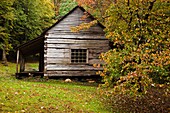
41, 61
17, 61
22, 63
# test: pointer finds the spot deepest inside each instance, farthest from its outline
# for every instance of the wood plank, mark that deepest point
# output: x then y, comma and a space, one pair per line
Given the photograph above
58, 61
69, 20
99, 49
61, 30
76, 18
95, 61
71, 67
71, 73
22, 63
91, 56
74, 24
52, 50
65, 32
68, 29
76, 36
80, 45
57, 54
76, 41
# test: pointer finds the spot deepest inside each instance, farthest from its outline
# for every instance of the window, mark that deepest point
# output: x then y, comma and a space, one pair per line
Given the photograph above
78, 55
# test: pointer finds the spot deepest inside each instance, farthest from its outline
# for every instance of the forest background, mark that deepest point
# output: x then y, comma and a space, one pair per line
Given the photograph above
23, 20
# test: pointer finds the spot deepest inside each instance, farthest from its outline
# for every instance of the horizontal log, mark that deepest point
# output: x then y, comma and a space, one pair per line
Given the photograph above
76, 41
73, 19
71, 75
100, 49
58, 61
95, 61
96, 50
61, 31
70, 67
93, 56
76, 36
76, 18
77, 46
66, 61
65, 32
57, 54
71, 72
74, 24
64, 28
54, 50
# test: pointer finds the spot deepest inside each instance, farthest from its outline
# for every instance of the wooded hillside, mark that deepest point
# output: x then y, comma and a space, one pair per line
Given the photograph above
23, 20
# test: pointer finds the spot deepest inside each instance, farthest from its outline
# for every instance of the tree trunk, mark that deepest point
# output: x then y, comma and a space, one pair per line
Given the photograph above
4, 58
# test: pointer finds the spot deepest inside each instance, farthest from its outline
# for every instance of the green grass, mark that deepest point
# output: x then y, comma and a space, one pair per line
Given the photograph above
37, 95
7, 70
31, 66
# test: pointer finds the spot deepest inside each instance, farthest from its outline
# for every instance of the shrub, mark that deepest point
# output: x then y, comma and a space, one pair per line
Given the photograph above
139, 57
140, 34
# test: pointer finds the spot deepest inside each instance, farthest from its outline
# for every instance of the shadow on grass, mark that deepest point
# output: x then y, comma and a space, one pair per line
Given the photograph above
79, 81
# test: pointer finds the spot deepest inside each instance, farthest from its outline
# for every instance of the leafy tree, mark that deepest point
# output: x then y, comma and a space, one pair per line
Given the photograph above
56, 6
32, 17
23, 20
140, 58
96, 7
6, 22
62, 7
66, 6
140, 34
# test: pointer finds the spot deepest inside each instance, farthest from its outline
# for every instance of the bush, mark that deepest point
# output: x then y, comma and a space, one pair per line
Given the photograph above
139, 56
140, 34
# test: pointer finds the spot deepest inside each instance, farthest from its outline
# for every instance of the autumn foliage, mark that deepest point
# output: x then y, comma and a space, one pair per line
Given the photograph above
140, 34
140, 55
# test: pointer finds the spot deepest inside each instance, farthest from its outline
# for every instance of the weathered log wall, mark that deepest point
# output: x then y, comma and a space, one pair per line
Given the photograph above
60, 40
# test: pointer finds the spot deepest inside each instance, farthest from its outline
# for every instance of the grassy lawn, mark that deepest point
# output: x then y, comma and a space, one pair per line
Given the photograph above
36, 95
31, 67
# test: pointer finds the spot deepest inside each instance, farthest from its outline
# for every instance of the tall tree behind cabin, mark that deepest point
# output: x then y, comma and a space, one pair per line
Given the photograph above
6, 26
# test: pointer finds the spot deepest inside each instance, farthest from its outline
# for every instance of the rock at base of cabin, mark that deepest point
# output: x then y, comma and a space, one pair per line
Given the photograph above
91, 81
68, 80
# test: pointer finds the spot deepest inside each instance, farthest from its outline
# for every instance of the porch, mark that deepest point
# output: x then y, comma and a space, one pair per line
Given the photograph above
33, 47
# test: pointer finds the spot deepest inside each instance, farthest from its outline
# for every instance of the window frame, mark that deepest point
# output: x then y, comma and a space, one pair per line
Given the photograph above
79, 63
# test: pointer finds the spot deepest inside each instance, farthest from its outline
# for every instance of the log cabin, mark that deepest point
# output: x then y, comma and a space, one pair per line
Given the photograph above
63, 52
